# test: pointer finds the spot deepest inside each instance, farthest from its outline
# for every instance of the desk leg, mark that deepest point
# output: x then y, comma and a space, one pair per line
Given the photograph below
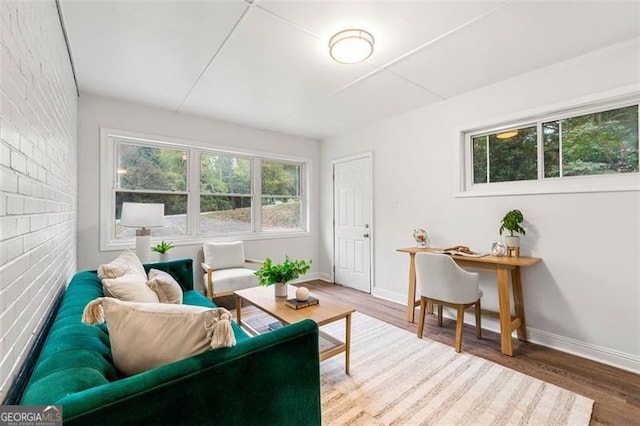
347, 342
411, 296
505, 310
518, 300
239, 310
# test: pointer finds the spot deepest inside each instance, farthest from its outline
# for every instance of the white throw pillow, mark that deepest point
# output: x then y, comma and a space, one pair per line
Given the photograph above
126, 263
224, 255
130, 288
147, 335
165, 286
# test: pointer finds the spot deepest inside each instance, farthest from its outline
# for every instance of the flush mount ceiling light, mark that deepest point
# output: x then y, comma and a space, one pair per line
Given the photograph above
506, 135
351, 46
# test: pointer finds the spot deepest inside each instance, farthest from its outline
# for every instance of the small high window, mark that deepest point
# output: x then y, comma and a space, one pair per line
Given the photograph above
603, 141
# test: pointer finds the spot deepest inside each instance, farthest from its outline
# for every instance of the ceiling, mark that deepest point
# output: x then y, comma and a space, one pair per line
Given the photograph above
265, 63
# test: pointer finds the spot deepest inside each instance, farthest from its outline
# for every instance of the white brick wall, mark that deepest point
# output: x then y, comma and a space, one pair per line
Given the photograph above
38, 174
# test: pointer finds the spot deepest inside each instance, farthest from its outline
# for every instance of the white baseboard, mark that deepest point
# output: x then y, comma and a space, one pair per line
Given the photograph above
622, 360
590, 351
313, 276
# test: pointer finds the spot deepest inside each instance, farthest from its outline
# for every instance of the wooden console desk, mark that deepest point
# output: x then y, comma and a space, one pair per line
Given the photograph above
501, 266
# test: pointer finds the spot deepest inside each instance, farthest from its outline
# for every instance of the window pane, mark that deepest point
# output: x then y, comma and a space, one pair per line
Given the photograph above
151, 168
601, 143
223, 214
280, 179
513, 155
280, 214
551, 136
225, 175
480, 159
175, 213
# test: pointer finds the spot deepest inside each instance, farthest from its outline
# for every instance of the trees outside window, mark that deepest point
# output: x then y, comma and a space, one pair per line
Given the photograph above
600, 143
205, 192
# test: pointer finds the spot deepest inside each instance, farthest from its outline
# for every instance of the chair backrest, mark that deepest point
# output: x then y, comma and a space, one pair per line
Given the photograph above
439, 277
224, 255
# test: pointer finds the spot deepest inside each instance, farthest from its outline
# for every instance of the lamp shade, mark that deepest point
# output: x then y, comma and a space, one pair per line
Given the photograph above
142, 215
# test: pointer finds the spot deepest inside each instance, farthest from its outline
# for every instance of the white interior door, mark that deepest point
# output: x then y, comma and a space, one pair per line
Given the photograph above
352, 223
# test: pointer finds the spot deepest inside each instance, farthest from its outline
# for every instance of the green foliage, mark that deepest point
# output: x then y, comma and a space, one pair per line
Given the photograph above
605, 142
162, 247
280, 179
511, 222
272, 273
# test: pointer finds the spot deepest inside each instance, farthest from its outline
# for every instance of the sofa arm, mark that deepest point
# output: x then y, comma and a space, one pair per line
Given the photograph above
272, 378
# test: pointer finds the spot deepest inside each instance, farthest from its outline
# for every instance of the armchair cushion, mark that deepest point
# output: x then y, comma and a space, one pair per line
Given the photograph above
232, 279
224, 255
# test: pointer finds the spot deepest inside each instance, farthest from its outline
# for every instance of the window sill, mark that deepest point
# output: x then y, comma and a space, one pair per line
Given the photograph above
114, 245
566, 185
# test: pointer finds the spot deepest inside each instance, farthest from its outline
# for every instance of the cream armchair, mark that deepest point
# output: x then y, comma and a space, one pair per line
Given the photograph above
227, 269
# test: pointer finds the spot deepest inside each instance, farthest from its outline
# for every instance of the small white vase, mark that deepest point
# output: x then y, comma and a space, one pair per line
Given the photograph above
164, 257
280, 289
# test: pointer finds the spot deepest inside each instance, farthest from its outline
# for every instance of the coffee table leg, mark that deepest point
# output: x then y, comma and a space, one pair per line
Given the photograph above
347, 352
239, 310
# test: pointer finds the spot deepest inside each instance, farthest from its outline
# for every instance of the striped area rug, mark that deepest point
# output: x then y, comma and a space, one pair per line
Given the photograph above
398, 379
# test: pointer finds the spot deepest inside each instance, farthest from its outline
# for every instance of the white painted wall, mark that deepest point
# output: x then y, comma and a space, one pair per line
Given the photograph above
38, 174
96, 112
585, 296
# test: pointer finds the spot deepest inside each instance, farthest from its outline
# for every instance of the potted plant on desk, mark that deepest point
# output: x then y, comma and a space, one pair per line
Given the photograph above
279, 274
511, 222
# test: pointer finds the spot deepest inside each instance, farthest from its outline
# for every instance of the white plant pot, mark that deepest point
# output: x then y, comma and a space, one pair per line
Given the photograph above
164, 257
512, 241
280, 289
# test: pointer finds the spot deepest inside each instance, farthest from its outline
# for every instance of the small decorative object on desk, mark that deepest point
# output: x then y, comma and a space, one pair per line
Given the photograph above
420, 235
498, 249
299, 304
461, 251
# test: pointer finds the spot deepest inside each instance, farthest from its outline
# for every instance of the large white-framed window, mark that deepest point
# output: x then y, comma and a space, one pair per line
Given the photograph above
208, 192
590, 148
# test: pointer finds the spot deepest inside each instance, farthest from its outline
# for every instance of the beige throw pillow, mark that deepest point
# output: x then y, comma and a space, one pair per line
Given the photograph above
126, 263
130, 288
147, 335
165, 286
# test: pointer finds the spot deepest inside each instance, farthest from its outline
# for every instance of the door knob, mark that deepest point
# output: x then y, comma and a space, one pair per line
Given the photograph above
365, 235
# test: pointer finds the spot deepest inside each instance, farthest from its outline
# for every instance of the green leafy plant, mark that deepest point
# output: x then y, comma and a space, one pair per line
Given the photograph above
273, 273
511, 222
162, 247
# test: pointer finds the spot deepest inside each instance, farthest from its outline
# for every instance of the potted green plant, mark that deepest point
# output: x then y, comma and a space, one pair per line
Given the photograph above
162, 248
511, 222
279, 274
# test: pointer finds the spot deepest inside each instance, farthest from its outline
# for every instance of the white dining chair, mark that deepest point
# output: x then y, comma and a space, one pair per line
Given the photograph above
441, 281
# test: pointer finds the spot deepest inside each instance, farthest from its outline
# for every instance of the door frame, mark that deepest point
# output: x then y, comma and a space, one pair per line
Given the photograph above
369, 155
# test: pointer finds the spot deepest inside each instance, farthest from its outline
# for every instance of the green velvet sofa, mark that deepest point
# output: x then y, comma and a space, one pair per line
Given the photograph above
271, 379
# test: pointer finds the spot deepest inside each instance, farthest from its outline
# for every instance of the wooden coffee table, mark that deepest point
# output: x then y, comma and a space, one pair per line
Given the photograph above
327, 311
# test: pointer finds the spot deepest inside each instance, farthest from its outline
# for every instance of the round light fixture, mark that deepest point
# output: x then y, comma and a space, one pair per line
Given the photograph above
506, 135
351, 46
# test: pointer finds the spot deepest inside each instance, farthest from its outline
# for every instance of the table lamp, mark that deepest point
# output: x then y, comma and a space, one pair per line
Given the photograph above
143, 216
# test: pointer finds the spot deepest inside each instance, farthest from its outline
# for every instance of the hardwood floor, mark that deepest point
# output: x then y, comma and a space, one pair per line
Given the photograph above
616, 392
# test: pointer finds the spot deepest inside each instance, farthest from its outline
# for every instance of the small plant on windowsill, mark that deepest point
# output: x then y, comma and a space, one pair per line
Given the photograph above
163, 248
281, 273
